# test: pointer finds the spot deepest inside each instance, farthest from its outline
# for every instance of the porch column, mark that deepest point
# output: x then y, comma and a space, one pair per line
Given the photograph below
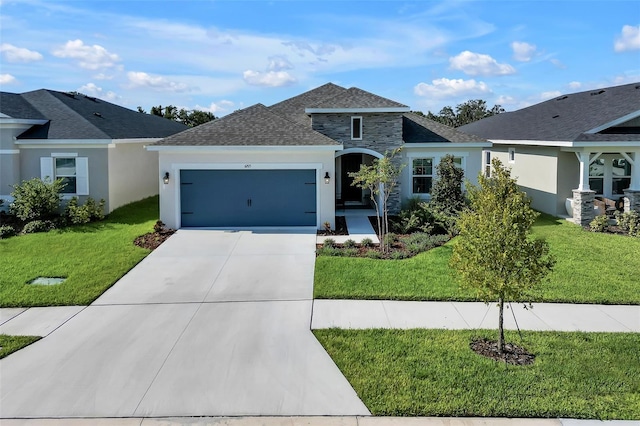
583, 158
632, 194
583, 197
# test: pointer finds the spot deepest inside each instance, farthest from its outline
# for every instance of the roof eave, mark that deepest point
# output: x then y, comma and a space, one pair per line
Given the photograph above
615, 122
355, 110
422, 145
218, 148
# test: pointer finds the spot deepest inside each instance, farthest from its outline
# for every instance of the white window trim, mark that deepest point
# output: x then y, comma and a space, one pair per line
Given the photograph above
47, 172
512, 155
432, 175
437, 157
486, 162
356, 118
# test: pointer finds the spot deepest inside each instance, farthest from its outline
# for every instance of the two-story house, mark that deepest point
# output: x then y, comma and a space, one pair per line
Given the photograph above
289, 164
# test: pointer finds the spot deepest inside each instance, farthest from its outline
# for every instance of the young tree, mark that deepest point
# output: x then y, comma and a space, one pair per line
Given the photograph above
494, 253
446, 193
380, 178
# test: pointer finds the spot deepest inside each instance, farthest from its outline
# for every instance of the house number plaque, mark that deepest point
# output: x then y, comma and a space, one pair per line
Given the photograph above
247, 166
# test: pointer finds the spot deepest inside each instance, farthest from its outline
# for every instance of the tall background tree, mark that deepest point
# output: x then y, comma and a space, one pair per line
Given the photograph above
495, 253
190, 118
465, 113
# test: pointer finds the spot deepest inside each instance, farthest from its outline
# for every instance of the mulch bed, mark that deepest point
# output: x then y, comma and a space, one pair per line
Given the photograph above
513, 354
152, 240
341, 228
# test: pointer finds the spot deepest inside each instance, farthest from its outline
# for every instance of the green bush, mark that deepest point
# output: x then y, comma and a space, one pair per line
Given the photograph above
629, 221
349, 252
390, 238
416, 216
366, 242
7, 231
373, 254
38, 226
349, 244
599, 224
329, 251
329, 243
36, 200
399, 254
86, 213
446, 195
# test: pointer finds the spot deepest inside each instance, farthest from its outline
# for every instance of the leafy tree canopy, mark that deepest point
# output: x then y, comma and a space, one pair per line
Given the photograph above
464, 113
191, 118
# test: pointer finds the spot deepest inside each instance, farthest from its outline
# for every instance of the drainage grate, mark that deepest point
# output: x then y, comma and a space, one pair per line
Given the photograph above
47, 281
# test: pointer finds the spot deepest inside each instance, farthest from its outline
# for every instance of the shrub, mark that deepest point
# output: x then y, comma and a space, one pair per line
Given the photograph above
446, 194
416, 216
366, 242
399, 254
38, 226
390, 238
36, 200
349, 252
349, 244
373, 254
629, 221
7, 231
86, 213
599, 224
329, 251
329, 242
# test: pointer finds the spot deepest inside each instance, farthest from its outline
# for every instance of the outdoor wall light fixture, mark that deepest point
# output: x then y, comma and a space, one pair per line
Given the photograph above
327, 179
165, 178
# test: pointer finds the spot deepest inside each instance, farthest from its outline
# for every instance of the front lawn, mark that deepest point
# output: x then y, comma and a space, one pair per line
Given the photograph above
91, 257
10, 344
435, 373
591, 268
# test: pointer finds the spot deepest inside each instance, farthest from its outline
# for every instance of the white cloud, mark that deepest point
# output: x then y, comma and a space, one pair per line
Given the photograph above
91, 89
19, 54
522, 51
103, 76
279, 63
506, 100
550, 94
270, 78
574, 85
7, 79
479, 64
557, 63
217, 107
90, 57
629, 39
445, 88
142, 79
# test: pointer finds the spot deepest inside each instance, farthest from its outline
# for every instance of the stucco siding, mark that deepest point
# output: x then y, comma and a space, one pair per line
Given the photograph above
133, 173
321, 160
9, 173
568, 179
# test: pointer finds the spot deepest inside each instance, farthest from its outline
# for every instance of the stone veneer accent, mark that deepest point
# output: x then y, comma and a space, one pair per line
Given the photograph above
583, 207
381, 132
631, 200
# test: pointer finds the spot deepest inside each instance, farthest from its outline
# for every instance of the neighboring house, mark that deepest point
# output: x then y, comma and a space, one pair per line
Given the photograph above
568, 150
96, 147
288, 164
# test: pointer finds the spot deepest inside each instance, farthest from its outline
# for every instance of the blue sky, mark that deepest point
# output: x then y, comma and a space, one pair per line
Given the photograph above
225, 55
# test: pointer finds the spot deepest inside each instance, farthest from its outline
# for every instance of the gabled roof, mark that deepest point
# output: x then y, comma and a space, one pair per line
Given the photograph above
82, 117
252, 126
565, 118
355, 99
13, 105
293, 108
419, 129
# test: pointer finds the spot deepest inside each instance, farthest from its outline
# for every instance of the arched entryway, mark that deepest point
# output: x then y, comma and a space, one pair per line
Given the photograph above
348, 161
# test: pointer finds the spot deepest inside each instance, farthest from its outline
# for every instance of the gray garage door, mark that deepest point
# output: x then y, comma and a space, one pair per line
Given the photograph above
235, 198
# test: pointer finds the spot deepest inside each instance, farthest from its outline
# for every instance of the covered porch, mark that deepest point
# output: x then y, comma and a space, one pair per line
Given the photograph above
609, 180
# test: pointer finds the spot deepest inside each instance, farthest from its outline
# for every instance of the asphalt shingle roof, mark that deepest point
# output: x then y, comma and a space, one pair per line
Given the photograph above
15, 106
564, 118
293, 108
419, 129
256, 125
356, 98
82, 117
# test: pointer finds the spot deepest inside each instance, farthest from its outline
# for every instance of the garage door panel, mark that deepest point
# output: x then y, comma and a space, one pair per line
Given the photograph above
220, 198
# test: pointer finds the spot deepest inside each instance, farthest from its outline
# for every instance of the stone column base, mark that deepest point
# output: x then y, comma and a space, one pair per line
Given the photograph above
631, 200
583, 207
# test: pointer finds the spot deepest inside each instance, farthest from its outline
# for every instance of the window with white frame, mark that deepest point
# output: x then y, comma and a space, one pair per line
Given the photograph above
71, 169
596, 176
487, 163
356, 128
512, 155
620, 176
422, 174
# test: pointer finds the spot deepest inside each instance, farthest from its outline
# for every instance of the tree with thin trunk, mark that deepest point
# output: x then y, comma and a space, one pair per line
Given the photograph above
380, 178
495, 253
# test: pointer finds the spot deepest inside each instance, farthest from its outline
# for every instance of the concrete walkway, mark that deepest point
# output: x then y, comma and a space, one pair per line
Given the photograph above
358, 226
360, 314
212, 323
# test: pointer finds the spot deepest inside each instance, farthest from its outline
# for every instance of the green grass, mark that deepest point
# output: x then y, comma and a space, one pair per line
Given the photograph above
91, 258
591, 268
10, 344
435, 373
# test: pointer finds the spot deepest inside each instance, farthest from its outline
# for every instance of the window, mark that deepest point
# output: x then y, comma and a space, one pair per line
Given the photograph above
487, 163
71, 169
422, 175
356, 128
596, 176
621, 176
512, 155
458, 162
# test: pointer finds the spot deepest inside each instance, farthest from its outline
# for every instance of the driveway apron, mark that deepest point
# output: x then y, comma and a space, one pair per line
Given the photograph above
212, 323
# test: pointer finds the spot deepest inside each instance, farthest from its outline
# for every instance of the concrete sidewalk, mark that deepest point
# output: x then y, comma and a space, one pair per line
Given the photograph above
360, 314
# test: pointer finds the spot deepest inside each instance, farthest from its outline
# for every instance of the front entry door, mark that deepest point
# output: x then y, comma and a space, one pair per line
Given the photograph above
350, 163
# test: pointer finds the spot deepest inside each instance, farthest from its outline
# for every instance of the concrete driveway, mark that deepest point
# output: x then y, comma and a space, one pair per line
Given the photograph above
211, 323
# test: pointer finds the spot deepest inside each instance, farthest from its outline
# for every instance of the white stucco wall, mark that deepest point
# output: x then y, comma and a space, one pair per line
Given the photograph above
133, 172
320, 159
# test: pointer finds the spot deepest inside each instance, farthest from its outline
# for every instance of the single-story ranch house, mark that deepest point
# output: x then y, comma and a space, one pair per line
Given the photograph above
569, 150
288, 164
96, 147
